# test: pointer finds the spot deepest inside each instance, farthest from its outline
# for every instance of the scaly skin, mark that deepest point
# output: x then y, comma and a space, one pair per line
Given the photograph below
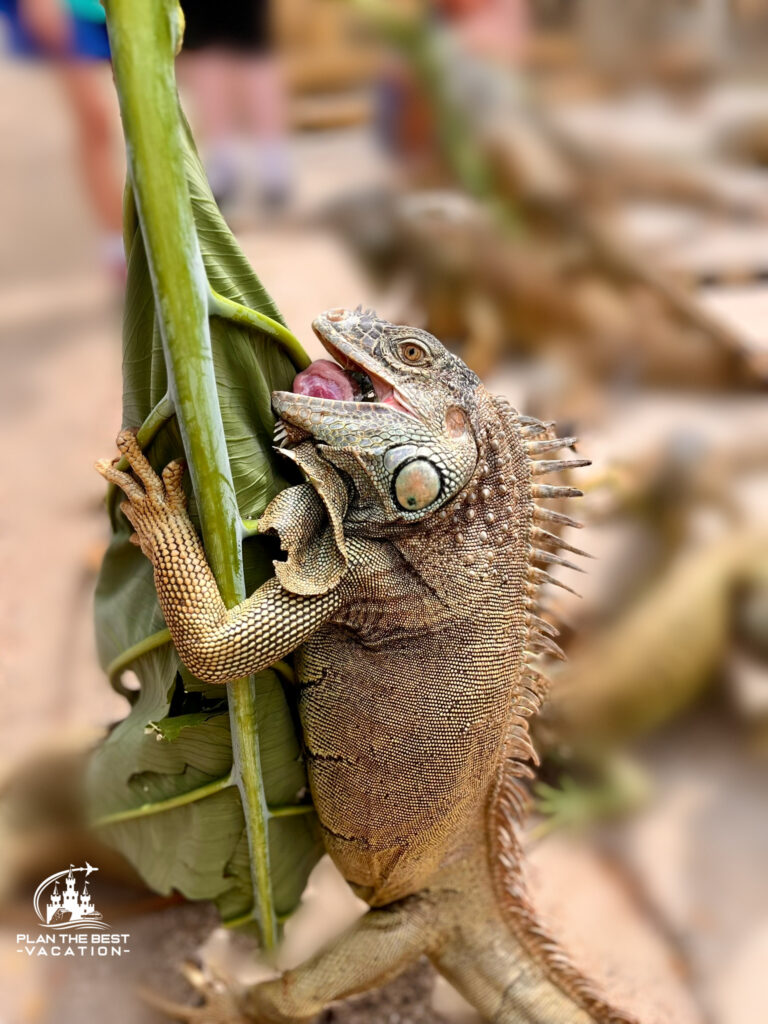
409, 591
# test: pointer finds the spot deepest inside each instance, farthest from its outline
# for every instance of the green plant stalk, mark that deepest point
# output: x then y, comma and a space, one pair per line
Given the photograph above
144, 37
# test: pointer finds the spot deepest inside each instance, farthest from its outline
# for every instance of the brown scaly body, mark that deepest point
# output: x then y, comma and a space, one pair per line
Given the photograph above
405, 696
414, 553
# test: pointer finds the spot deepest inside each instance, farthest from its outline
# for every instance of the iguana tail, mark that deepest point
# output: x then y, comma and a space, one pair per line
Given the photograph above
507, 862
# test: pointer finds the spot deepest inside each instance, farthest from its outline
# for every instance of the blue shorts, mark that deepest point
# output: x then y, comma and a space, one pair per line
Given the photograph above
89, 38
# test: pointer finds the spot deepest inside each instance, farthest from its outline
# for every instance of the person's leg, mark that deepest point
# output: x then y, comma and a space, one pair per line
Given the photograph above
211, 77
95, 114
266, 114
266, 102
88, 91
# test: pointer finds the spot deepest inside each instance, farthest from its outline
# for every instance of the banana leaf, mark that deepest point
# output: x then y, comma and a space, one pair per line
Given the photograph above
160, 784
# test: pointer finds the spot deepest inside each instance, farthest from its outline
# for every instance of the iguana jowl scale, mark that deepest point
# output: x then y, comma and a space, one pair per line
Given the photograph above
414, 556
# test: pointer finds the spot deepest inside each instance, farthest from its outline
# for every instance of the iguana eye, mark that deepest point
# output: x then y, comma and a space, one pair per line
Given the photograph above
412, 352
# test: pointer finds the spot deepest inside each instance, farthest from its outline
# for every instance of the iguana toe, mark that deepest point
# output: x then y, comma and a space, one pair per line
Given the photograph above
220, 999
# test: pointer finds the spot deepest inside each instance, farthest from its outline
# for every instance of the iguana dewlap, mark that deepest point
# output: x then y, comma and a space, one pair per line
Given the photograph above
414, 552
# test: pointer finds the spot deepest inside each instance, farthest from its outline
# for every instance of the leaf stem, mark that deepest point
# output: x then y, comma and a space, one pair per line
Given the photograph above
285, 671
160, 415
160, 806
191, 797
228, 309
291, 810
144, 37
126, 658
157, 418
249, 528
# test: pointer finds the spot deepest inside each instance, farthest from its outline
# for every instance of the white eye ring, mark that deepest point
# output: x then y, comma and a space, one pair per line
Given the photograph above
412, 352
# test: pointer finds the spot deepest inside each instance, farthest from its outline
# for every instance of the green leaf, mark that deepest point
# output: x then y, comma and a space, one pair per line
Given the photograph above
160, 781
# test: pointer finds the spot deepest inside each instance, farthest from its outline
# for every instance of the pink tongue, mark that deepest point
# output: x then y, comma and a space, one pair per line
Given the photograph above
324, 379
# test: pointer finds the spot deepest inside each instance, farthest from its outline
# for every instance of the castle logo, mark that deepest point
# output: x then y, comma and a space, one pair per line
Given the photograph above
69, 906
69, 925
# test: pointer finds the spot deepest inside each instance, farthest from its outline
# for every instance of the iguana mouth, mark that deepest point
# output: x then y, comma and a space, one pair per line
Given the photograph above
332, 399
325, 379
348, 379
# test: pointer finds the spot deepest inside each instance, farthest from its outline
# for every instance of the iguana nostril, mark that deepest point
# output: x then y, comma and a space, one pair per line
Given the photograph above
335, 315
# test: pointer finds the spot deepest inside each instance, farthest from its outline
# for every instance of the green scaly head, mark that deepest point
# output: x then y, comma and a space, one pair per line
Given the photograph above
395, 413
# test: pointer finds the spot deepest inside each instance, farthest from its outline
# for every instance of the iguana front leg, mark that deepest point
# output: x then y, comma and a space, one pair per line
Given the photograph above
215, 643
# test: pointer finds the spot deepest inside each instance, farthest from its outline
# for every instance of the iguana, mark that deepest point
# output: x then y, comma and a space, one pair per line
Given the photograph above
414, 549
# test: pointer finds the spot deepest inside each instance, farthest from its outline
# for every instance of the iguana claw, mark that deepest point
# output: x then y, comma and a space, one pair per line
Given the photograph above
153, 501
220, 995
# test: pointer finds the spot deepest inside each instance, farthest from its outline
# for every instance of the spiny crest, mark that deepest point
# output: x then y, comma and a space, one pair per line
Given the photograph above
506, 860
544, 546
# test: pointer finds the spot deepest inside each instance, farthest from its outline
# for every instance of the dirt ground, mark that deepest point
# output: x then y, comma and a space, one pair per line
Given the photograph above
669, 910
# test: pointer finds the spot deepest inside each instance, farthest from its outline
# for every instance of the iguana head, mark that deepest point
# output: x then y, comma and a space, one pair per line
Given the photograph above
395, 412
